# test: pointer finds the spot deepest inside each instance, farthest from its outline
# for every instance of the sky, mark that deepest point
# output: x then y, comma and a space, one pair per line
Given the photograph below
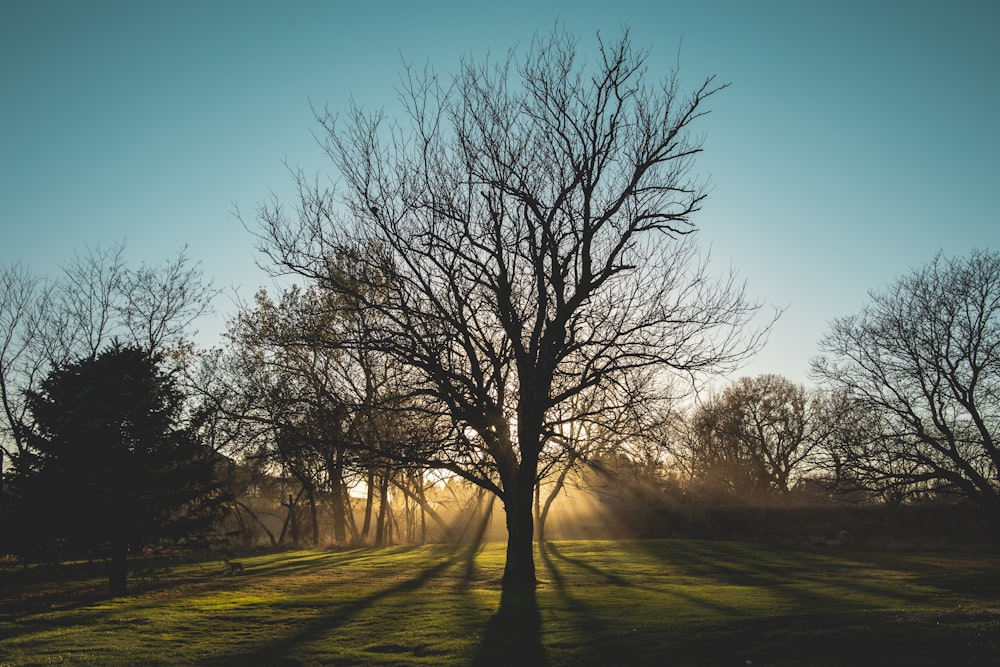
855, 142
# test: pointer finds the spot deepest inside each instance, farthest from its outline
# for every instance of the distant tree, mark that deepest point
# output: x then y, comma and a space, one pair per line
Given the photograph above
304, 403
922, 360
523, 236
755, 436
852, 462
111, 465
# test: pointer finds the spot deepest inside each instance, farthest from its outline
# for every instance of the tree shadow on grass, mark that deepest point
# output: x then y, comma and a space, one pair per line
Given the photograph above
547, 548
872, 639
513, 635
279, 651
594, 641
833, 608
805, 579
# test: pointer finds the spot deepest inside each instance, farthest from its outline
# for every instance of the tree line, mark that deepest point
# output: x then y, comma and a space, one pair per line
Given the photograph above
500, 295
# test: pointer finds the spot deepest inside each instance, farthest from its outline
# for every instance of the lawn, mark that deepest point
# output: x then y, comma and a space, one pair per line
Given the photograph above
657, 602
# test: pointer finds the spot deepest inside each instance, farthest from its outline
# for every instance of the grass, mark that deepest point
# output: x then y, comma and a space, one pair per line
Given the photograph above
658, 602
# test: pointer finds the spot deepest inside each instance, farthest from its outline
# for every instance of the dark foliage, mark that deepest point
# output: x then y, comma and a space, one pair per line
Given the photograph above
112, 465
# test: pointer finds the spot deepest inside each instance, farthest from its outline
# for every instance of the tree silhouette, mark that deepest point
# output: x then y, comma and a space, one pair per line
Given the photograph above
95, 299
522, 236
755, 436
924, 358
111, 465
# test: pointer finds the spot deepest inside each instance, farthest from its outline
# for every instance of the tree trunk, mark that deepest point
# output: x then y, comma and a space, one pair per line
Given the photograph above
383, 507
519, 571
349, 513
253, 515
369, 502
485, 517
313, 517
418, 496
337, 498
408, 519
244, 531
423, 516
519, 494
392, 526
291, 524
118, 568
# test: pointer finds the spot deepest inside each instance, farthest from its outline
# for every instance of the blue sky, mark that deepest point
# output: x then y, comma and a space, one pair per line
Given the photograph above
857, 139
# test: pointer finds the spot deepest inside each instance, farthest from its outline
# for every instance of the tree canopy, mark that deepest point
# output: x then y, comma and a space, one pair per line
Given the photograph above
111, 463
755, 436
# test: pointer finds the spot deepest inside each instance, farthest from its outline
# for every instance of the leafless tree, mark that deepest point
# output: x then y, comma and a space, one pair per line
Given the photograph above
522, 235
159, 305
923, 360
21, 294
81, 317
98, 297
849, 462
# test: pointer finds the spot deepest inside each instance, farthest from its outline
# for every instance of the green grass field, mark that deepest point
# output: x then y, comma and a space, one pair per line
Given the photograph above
661, 602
